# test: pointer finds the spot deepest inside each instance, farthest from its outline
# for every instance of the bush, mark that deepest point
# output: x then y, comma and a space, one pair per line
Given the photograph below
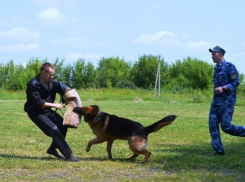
191, 73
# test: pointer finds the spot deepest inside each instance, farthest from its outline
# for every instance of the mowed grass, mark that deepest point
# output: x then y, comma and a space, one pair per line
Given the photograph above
179, 151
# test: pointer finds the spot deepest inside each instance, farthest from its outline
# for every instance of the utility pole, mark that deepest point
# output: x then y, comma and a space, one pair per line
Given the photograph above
158, 79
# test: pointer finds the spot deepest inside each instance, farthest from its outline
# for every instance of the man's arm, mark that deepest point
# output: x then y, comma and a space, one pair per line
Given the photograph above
55, 105
232, 78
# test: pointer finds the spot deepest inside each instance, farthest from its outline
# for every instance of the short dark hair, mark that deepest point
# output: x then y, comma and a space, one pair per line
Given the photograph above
46, 66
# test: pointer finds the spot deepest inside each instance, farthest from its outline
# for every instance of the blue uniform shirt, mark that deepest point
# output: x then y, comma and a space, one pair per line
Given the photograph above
225, 74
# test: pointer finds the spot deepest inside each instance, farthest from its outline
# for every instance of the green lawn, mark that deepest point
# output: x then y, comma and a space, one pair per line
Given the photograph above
179, 151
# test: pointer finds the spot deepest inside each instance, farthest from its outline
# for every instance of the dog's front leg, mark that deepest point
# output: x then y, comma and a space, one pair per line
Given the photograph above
108, 148
92, 142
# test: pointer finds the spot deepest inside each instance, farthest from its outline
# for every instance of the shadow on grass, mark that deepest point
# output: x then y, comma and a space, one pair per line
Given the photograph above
203, 150
185, 155
53, 158
179, 158
25, 157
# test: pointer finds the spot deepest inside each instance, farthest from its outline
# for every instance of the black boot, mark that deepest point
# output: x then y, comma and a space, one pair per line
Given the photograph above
71, 158
54, 153
218, 153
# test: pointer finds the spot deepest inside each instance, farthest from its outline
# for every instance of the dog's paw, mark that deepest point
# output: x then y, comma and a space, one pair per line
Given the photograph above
141, 162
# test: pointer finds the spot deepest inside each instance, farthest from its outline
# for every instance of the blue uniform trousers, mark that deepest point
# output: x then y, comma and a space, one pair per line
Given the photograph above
222, 115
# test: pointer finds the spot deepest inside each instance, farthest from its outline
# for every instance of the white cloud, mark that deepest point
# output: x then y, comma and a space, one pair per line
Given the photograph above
20, 33
162, 37
20, 47
52, 15
196, 45
76, 56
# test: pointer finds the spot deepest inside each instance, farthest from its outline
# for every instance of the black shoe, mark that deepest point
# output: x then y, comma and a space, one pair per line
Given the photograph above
54, 153
72, 159
218, 153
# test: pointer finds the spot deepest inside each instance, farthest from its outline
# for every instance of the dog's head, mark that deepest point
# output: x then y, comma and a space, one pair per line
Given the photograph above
87, 110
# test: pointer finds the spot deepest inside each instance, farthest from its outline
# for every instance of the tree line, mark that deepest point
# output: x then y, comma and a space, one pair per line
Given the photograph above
114, 72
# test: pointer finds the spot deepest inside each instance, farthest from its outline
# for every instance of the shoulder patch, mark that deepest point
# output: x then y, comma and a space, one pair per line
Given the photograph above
233, 76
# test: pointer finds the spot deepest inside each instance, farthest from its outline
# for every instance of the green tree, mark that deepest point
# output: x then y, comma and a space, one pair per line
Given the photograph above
10, 73
91, 80
78, 76
2, 75
112, 70
191, 73
59, 65
144, 71
66, 78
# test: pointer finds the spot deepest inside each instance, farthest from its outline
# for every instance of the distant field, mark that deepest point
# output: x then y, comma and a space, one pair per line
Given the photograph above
179, 151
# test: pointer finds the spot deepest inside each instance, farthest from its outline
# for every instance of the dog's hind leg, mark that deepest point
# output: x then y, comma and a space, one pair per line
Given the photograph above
133, 156
147, 155
108, 148
94, 141
138, 144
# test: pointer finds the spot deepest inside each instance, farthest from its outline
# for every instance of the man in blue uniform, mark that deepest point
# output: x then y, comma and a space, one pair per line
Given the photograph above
226, 82
41, 92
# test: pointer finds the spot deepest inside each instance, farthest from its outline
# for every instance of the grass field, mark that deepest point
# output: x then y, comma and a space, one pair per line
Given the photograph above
179, 151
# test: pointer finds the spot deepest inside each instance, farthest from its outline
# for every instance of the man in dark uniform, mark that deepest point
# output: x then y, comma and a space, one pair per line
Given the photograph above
226, 82
41, 92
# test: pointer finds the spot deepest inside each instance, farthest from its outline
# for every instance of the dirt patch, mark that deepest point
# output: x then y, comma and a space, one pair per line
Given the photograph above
137, 99
89, 99
172, 102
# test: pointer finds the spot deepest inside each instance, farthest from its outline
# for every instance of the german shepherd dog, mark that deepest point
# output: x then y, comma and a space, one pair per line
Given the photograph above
110, 127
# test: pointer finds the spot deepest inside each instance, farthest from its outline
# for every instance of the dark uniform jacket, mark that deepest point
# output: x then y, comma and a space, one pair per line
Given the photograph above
225, 74
37, 93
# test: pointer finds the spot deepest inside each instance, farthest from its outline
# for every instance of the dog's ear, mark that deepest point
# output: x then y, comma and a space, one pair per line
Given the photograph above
96, 109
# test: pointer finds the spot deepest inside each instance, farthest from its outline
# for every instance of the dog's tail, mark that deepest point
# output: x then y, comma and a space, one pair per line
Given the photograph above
158, 125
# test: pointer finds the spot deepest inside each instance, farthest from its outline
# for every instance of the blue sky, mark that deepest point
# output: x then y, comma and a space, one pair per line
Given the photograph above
92, 29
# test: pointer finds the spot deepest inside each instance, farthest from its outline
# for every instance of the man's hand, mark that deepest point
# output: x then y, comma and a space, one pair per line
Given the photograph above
225, 88
58, 106
219, 90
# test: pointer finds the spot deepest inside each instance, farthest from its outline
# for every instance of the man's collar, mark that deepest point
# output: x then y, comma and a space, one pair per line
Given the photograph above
220, 64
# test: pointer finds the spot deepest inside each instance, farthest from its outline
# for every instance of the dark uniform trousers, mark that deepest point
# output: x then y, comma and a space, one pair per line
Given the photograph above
51, 124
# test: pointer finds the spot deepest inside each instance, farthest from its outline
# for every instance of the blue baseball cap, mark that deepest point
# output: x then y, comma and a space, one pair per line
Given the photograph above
218, 49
